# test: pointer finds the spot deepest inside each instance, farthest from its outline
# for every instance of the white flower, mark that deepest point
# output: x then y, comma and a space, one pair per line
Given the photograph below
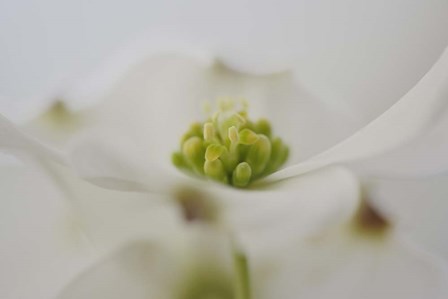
133, 130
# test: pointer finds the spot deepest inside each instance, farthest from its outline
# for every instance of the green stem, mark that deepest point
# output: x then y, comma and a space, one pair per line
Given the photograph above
242, 277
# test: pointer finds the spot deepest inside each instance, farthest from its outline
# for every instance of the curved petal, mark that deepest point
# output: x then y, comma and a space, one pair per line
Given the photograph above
340, 265
41, 247
403, 122
417, 207
295, 208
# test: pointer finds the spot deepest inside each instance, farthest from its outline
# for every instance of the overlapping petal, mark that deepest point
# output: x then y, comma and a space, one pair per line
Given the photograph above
417, 111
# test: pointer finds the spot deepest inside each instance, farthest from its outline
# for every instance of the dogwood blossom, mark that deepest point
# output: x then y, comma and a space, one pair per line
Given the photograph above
131, 133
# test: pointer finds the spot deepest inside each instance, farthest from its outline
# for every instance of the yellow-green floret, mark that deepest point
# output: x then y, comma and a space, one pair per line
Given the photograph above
230, 148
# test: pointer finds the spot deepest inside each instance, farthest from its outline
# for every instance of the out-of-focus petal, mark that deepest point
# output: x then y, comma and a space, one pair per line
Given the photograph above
418, 208
294, 208
55, 224
41, 245
347, 266
413, 115
111, 218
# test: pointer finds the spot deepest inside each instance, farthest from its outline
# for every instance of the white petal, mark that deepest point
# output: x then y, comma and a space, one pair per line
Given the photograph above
14, 141
418, 207
349, 267
403, 122
112, 218
119, 164
423, 157
295, 208
306, 124
54, 227
41, 247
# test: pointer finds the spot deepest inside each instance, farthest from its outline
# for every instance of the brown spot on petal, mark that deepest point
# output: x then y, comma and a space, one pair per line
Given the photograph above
368, 221
59, 116
57, 124
196, 205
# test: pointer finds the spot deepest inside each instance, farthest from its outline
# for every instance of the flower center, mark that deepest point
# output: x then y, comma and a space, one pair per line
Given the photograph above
230, 148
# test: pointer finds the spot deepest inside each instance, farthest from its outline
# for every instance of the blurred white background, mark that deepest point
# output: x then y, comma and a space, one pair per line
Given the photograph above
361, 54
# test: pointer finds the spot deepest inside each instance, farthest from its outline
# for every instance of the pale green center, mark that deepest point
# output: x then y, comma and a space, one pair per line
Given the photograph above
230, 148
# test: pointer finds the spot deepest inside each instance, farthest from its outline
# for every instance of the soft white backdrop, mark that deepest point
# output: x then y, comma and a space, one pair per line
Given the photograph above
350, 52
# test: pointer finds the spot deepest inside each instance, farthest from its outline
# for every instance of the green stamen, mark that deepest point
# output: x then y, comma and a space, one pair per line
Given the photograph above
214, 151
259, 155
193, 152
248, 137
209, 132
242, 174
230, 148
215, 170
